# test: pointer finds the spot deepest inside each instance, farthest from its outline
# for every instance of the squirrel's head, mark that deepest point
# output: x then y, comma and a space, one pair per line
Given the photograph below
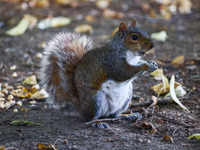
134, 38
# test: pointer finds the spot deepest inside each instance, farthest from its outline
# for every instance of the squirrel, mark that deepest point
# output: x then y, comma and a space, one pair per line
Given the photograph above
97, 80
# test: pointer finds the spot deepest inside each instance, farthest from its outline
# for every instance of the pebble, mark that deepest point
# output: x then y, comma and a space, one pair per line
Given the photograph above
2, 95
37, 87
15, 110
19, 103
9, 88
14, 67
14, 75
4, 85
19, 87
10, 97
2, 99
39, 55
32, 102
84, 28
4, 91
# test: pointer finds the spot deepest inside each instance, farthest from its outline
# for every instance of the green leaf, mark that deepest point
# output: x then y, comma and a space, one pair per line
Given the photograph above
24, 123
197, 136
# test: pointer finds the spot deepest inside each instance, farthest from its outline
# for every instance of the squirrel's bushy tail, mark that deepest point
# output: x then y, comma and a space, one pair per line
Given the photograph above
61, 57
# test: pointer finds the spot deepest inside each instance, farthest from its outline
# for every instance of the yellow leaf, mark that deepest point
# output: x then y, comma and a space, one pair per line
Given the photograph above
160, 36
42, 146
197, 136
27, 21
158, 73
30, 80
84, 28
173, 94
165, 83
178, 61
158, 88
40, 94
26, 93
54, 22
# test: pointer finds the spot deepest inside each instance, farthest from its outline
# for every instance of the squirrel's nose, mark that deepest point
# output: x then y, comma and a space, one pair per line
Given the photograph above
151, 45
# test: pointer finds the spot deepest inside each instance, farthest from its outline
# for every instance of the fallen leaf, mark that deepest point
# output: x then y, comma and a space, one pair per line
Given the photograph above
84, 28
158, 73
159, 36
179, 92
173, 94
155, 100
42, 146
167, 137
178, 61
24, 122
27, 21
197, 136
25, 93
161, 87
158, 88
2, 147
53, 22
40, 94
165, 83
31, 80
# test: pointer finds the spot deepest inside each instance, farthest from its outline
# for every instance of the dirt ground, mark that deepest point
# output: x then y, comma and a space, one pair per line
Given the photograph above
64, 128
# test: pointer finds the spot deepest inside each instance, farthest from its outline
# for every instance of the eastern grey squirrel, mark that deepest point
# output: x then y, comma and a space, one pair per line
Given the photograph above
97, 80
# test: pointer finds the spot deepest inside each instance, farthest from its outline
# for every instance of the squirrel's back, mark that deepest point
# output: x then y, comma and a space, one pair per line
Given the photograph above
61, 57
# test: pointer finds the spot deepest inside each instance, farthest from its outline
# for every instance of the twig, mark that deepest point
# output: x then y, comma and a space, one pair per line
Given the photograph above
159, 102
171, 120
102, 120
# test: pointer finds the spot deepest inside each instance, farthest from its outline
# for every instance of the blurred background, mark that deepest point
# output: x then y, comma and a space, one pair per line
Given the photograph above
26, 26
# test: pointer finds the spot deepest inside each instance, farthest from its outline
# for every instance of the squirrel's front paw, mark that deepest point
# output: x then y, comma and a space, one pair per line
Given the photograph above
152, 66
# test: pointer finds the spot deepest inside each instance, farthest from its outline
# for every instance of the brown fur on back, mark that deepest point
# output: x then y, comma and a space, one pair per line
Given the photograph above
61, 57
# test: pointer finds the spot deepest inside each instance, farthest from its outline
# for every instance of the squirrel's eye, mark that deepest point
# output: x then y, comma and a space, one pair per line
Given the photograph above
135, 38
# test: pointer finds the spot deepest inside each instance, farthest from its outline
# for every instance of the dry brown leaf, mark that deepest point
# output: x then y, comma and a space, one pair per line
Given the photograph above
168, 138
178, 61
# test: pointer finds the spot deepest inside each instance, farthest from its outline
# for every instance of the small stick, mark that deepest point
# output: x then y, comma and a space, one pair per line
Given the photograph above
102, 120
159, 102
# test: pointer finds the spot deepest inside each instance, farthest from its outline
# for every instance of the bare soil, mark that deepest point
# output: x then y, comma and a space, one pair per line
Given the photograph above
65, 128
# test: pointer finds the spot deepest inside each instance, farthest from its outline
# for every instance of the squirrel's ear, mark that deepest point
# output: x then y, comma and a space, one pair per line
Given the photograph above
122, 29
133, 23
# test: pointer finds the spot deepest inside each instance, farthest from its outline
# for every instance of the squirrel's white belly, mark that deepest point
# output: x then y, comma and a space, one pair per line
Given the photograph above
117, 96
